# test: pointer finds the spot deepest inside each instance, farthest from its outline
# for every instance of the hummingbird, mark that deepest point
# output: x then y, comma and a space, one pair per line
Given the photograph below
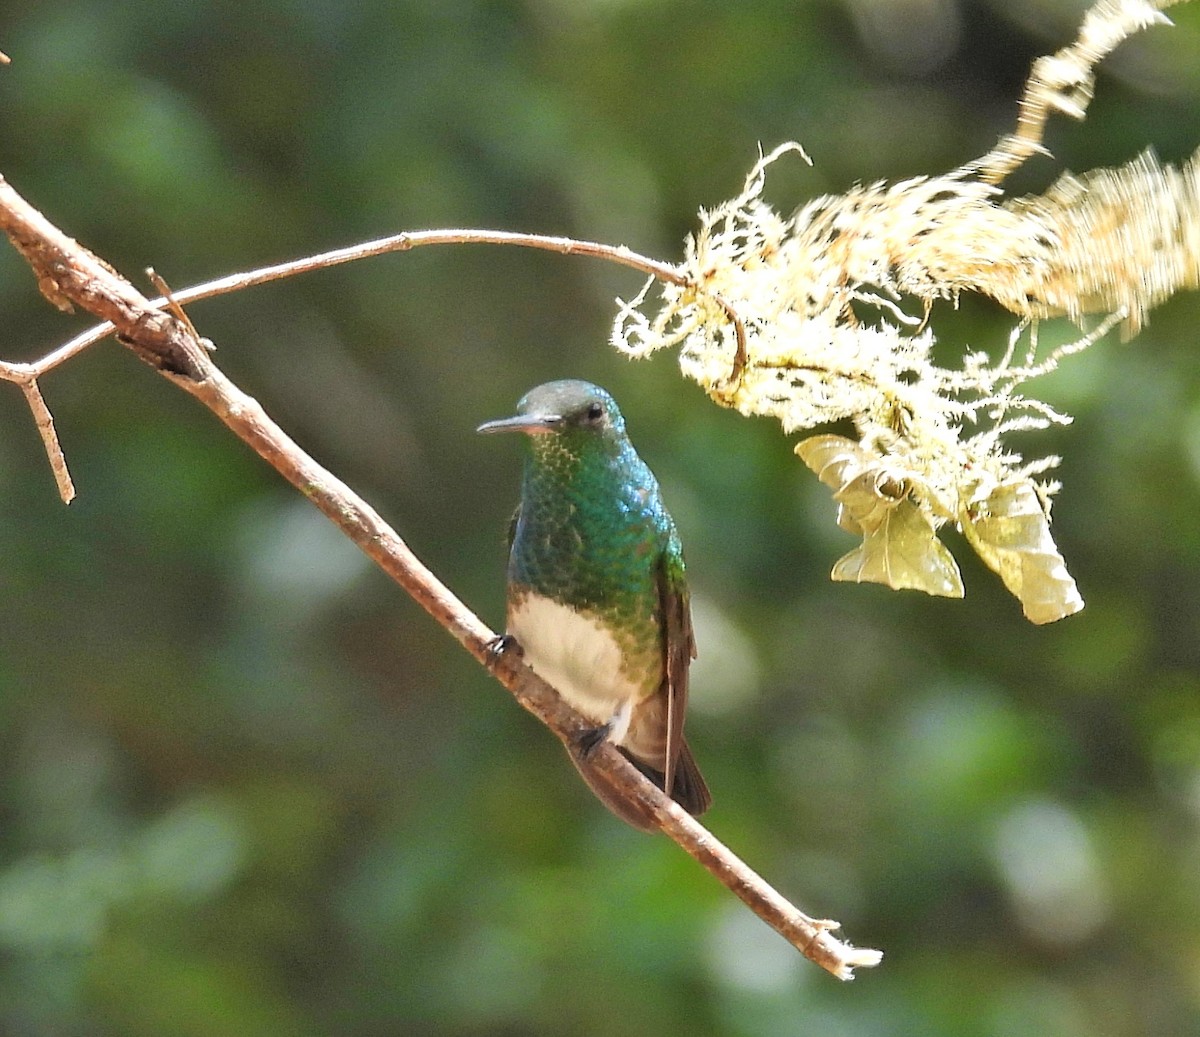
597, 594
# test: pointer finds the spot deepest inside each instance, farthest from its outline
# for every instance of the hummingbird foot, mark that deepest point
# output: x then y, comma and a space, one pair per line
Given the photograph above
591, 739
614, 730
502, 644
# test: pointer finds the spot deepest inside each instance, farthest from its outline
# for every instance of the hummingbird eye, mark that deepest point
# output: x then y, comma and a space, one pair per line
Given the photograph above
595, 412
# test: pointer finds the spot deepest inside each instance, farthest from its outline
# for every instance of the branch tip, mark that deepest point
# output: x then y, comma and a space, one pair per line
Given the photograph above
44, 421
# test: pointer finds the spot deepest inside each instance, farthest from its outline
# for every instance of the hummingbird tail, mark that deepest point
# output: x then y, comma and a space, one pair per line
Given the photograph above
689, 789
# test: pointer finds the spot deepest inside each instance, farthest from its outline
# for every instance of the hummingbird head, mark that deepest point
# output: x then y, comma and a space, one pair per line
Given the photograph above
565, 408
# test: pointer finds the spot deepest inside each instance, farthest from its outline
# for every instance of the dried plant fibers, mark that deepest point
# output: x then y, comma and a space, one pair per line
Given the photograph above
836, 299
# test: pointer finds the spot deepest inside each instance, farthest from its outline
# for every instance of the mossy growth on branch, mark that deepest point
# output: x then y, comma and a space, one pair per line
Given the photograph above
837, 302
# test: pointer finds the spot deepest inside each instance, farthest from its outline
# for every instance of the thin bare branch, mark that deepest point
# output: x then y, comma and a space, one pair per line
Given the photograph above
383, 545
68, 273
403, 242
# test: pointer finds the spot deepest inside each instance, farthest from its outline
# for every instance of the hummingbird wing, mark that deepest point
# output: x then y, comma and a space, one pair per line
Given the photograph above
511, 533
679, 647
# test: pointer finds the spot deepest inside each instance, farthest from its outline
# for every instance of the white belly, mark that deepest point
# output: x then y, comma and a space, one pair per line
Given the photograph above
574, 654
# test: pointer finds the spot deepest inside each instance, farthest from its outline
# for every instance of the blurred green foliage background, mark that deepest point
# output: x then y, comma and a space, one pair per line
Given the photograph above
247, 787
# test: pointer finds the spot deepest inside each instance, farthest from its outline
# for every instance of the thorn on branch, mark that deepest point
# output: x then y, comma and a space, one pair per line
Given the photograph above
164, 290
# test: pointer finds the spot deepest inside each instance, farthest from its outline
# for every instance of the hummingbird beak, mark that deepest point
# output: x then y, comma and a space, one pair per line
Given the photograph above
532, 424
